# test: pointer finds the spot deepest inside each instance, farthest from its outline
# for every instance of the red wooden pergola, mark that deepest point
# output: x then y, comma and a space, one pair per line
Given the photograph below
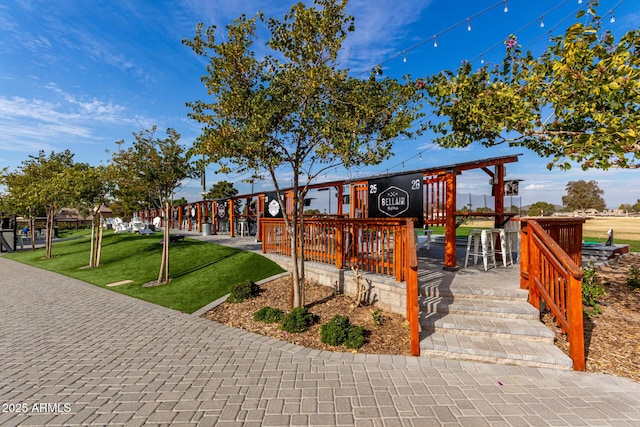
440, 185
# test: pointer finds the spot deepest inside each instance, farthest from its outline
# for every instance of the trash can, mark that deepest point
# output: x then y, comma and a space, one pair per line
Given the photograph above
56, 231
206, 229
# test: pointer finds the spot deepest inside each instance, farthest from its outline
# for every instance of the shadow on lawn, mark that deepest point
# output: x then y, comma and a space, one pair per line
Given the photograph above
208, 264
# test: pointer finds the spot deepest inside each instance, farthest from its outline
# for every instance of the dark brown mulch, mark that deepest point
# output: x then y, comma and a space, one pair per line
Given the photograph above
391, 337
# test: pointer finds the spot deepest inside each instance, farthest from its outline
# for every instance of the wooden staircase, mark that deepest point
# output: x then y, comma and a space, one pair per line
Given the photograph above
483, 316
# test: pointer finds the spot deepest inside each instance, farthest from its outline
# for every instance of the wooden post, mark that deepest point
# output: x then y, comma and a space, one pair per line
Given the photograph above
339, 245
498, 192
576, 323
340, 192
450, 222
199, 216
259, 217
232, 225
180, 213
411, 278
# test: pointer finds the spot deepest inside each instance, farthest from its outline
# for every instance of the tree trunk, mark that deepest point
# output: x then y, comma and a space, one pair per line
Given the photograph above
49, 234
166, 234
163, 274
33, 233
295, 276
93, 238
301, 234
99, 244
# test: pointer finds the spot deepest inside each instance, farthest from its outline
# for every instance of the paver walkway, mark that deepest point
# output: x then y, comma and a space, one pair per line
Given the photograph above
101, 358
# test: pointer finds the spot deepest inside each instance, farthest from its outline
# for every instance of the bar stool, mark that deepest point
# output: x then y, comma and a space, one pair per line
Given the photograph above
243, 227
505, 249
482, 241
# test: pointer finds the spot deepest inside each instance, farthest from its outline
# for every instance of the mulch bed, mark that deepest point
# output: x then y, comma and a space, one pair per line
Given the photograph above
391, 337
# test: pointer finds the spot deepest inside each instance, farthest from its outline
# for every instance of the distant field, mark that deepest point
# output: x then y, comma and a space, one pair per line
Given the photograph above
623, 228
626, 231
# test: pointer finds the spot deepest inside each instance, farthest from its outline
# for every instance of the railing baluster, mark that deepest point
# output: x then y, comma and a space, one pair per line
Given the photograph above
549, 270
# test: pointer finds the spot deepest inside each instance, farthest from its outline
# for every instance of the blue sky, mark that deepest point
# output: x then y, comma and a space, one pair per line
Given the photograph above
82, 75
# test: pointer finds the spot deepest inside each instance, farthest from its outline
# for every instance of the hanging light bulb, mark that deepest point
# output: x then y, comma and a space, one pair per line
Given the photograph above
435, 41
613, 18
541, 22
404, 58
579, 1
482, 59
468, 24
550, 36
420, 156
506, 7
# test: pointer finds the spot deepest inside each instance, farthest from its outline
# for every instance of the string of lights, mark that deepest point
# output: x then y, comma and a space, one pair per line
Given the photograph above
540, 21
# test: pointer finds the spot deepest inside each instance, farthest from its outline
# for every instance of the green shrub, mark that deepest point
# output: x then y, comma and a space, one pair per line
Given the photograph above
591, 289
633, 277
269, 315
243, 291
339, 330
378, 317
355, 337
334, 332
297, 321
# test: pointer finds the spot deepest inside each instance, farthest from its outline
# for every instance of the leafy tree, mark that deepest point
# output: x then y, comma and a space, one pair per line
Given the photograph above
636, 206
117, 210
221, 190
293, 107
541, 209
153, 167
583, 195
20, 200
50, 182
91, 199
180, 201
578, 101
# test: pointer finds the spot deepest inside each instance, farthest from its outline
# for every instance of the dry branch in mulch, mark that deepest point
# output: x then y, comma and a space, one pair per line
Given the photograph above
612, 339
391, 337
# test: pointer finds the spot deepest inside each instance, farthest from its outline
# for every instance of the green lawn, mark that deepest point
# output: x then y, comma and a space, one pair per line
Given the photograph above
202, 272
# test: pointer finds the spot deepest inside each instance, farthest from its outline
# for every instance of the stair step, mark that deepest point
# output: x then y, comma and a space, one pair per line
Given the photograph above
479, 307
493, 350
523, 329
465, 291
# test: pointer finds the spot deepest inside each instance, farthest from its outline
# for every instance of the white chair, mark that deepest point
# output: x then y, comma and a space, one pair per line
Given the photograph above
243, 227
482, 242
505, 249
423, 240
512, 231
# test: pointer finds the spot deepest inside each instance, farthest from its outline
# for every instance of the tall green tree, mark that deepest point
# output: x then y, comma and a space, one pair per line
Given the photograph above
583, 195
51, 182
293, 109
578, 101
153, 168
221, 190
20, 200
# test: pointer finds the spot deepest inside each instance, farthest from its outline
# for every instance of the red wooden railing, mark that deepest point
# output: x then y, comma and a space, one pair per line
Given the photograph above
549, 250
381, 246
372, 245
